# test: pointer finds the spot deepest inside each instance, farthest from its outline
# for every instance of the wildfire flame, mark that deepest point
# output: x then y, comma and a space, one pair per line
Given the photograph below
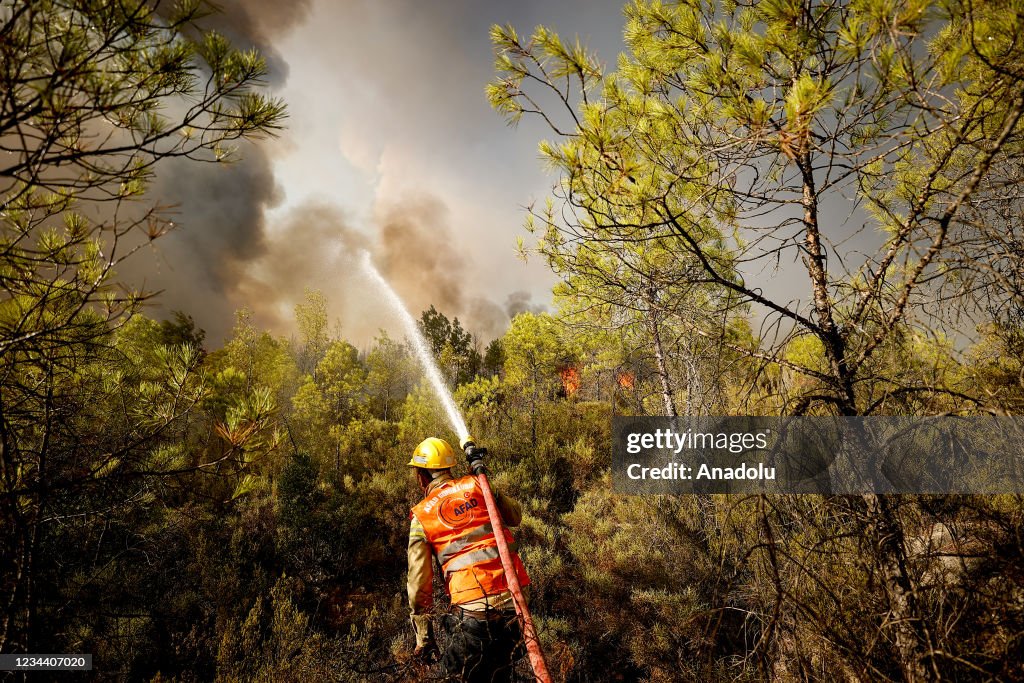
570, 379
626, 380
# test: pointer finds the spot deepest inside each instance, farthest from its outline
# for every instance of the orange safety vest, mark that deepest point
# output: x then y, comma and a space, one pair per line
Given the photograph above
454, 518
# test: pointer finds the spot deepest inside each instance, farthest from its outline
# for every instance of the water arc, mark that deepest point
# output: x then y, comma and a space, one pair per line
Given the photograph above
419, 344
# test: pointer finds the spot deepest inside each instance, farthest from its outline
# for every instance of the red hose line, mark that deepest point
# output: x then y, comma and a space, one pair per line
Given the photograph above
540, 668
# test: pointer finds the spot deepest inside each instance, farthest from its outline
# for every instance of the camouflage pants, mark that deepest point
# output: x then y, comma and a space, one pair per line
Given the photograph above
482, 650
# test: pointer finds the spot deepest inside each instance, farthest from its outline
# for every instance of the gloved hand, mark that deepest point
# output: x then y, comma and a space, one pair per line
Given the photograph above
427, 653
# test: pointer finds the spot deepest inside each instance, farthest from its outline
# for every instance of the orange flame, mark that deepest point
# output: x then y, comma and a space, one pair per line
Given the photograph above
570, 379
626, 380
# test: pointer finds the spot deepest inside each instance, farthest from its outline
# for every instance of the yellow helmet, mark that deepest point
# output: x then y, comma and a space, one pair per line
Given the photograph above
433, 454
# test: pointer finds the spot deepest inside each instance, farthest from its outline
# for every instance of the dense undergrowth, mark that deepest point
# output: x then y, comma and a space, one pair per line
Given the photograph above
260, 534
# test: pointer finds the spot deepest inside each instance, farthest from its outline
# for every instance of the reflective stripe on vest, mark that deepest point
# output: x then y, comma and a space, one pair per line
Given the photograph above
459, 544
469, 559
457, 526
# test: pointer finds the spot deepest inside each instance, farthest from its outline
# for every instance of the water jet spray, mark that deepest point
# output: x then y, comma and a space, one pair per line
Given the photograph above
419, 345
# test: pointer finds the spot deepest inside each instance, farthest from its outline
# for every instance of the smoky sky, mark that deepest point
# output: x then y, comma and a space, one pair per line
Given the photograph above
521, 302
219, 210
259, 24
421, 257
419, 254
389, 146
315, 245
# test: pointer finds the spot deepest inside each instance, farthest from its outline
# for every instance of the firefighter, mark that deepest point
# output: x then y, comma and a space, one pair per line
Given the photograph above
451, 523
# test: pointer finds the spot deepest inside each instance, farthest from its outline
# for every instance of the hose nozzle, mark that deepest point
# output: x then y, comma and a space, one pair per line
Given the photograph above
474, 454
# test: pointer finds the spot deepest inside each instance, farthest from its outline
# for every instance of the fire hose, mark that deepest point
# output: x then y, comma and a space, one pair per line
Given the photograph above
474, 454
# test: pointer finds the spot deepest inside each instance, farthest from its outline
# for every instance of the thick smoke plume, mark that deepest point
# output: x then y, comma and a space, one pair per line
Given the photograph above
257, 24
521, 302
426, 265
419, 256
314, 248
220, 208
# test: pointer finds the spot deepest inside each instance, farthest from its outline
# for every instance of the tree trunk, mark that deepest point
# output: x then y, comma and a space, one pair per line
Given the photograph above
11, 577
817, 269
666, 382
912, 634
884, 527
533, 410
